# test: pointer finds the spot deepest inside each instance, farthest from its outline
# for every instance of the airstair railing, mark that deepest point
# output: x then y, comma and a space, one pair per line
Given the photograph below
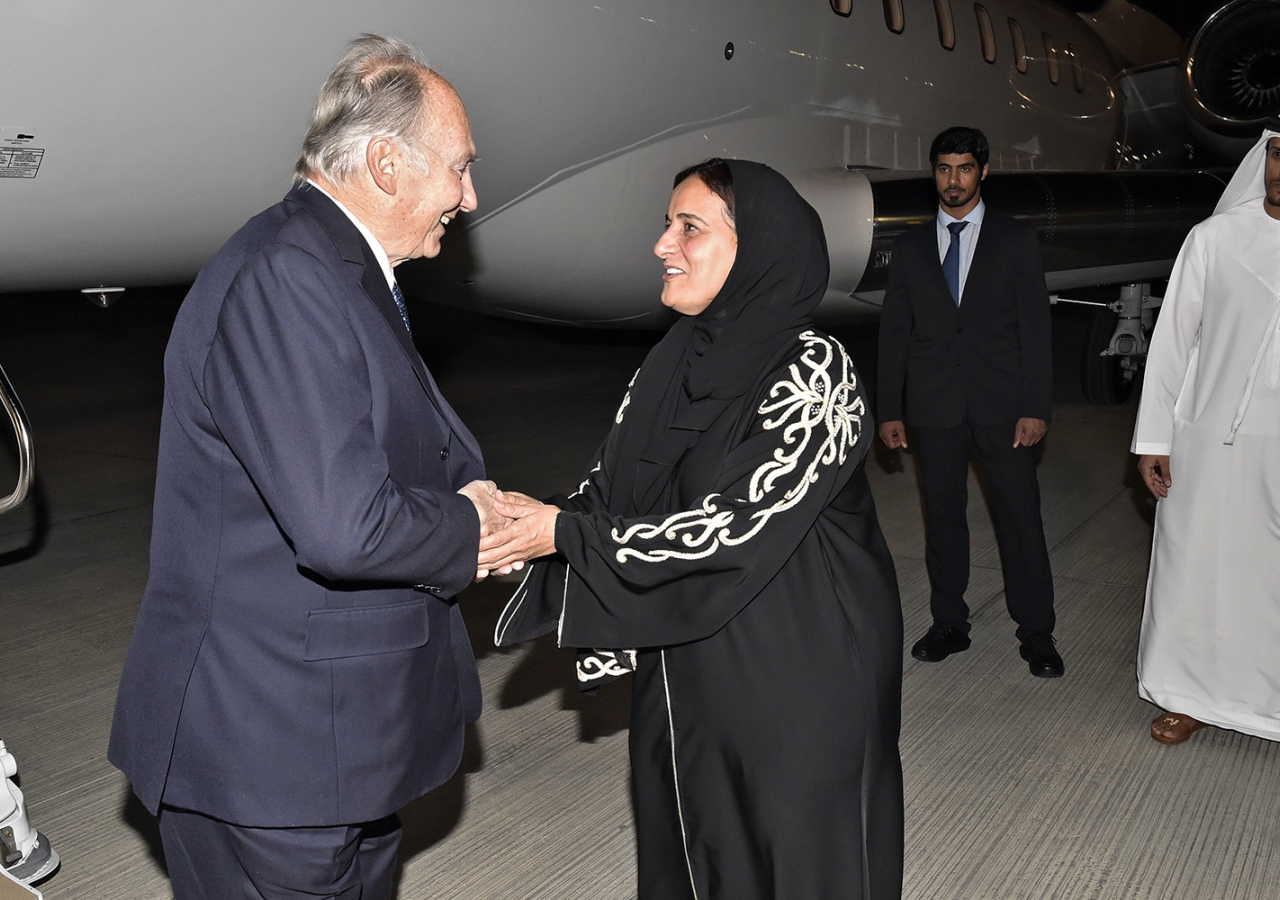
26, 451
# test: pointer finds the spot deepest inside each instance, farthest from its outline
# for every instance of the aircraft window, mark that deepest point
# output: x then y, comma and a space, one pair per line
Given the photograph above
1050, 56
893, 15
946, 25
842, 7
1077, 73
985, 32
1019, 46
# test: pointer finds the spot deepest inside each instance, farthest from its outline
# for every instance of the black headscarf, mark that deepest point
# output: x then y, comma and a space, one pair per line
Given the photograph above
707, 361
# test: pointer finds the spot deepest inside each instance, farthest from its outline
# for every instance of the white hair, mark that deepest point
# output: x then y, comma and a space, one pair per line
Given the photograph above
379, 89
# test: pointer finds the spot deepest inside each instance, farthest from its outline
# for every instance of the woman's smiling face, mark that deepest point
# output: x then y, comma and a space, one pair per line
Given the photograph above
697, 248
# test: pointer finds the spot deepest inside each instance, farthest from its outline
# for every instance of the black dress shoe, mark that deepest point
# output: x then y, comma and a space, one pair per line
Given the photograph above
939, 642
1041, 657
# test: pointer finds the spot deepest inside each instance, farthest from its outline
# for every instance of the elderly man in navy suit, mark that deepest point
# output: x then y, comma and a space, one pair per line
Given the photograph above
299, 669
965, 360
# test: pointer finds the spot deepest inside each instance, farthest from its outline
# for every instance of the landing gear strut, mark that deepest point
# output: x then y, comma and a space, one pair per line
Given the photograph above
1116, 346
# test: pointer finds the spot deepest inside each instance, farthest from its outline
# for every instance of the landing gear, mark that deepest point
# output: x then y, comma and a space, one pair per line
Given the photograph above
1116, 346
24, 852
1105, 377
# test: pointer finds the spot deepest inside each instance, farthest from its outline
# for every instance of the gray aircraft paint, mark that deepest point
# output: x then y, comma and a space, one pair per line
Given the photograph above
164, 125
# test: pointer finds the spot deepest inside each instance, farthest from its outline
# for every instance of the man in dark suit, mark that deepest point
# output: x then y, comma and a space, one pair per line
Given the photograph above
299, 670
965, 360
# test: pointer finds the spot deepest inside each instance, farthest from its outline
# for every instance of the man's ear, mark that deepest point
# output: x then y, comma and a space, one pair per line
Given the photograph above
984, 174
382, 157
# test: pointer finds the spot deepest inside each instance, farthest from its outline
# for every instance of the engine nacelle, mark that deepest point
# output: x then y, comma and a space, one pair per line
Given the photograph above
1229, 79
843, 198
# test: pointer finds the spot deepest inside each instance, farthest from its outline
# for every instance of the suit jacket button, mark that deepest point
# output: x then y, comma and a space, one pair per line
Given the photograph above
444, 454
960, 329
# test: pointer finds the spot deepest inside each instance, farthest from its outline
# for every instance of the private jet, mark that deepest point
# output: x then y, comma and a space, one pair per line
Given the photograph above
137, 136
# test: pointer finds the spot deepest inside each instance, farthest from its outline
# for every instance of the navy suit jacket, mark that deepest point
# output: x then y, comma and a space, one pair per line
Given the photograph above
297, 658
989, 358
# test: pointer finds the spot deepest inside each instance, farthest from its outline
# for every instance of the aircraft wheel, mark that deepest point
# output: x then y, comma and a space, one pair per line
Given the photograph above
1107, 380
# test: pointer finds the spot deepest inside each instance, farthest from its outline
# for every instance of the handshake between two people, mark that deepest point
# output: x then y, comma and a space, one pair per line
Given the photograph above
514, 528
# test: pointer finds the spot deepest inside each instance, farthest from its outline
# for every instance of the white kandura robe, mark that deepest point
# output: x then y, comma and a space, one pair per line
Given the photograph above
1210, 645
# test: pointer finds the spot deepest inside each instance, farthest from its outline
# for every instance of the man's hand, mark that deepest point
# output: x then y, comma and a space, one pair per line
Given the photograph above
1155, 474
894, 434
531, 533
1028, 432
482, 494
513, 502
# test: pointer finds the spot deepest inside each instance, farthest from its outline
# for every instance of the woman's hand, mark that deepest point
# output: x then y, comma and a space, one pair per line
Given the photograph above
531, 533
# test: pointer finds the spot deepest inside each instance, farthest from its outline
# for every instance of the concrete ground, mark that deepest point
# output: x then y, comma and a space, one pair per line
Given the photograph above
1016, 787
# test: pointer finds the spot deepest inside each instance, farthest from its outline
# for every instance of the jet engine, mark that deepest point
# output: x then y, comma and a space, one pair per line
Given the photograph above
844, 200
1229, 79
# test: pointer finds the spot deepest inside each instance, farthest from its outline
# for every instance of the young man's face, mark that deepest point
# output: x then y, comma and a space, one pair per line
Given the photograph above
958, 178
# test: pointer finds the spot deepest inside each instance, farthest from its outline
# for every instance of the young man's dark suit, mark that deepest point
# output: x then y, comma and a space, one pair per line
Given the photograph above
971, 371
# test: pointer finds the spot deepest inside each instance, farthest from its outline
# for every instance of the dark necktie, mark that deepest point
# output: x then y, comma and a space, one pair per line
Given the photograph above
404, 313
951, 262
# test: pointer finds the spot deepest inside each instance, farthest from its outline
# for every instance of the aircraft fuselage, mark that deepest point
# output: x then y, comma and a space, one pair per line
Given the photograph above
162, 127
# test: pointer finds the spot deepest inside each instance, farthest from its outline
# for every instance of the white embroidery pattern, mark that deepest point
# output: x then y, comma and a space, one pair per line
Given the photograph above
617, 419
626, 401
820, 415
605, 663
582, 488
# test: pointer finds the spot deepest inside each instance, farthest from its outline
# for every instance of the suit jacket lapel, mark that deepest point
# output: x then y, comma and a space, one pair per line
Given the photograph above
354, 249
988, 238
983, 259
928, 236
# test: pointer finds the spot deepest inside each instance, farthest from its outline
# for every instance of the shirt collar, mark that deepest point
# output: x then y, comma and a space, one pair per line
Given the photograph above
381, 255
974, 217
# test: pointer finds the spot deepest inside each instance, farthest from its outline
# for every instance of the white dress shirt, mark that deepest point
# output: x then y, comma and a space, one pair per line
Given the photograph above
968, 238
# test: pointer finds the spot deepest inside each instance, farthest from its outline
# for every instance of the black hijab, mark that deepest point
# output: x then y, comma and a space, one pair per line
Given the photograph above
707, 361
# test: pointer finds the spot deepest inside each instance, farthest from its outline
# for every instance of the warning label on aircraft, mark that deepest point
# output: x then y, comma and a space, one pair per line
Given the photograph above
23, 163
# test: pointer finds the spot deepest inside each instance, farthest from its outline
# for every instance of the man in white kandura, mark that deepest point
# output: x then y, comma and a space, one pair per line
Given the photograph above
1208, 434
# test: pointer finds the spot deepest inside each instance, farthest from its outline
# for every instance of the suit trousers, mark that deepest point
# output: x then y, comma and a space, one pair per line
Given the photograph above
212, 860
1015, 512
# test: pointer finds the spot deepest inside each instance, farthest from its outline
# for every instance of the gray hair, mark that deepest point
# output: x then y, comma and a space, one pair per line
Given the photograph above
379, 89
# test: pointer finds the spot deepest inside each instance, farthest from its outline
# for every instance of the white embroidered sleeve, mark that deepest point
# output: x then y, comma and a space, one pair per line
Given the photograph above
815, 411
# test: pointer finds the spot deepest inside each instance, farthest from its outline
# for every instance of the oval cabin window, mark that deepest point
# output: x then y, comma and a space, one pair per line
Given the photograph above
893, 17
1077, 71
986, 34
1050, 57
946, 24
1019, 46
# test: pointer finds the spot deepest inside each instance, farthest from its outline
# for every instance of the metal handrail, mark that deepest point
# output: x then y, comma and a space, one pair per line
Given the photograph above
26, 451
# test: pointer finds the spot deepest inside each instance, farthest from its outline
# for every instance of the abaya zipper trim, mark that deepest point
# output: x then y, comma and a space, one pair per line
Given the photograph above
675, 775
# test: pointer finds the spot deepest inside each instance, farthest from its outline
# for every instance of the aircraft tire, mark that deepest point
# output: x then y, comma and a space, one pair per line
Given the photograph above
1105, 380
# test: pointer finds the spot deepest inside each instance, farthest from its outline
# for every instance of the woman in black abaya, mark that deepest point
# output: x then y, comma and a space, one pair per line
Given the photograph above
727, 531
